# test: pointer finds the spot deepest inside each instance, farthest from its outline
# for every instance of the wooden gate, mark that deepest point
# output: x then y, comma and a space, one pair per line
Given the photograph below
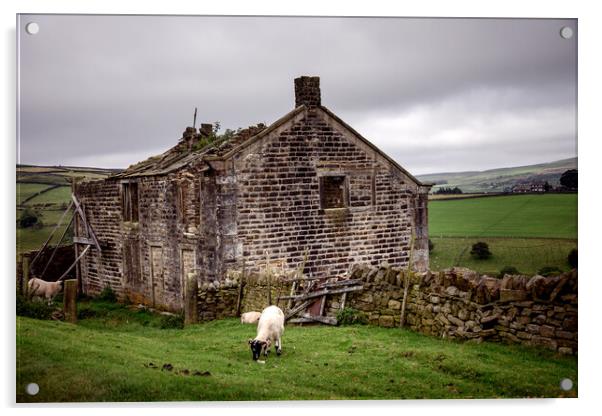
309, 295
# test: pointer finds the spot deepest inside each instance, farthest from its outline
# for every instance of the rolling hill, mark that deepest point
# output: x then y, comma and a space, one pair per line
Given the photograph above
497, 180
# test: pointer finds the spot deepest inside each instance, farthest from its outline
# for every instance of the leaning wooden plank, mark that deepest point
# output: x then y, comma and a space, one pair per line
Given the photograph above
301, 321
56, 247
329, 320
297, 309
290, 301
51, 234
83, 240
86, 225
74, 263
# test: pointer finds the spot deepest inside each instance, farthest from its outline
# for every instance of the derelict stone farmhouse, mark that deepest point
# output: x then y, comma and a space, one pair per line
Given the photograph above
308, 189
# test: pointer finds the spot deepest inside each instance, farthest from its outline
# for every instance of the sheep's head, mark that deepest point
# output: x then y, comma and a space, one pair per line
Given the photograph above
257, 347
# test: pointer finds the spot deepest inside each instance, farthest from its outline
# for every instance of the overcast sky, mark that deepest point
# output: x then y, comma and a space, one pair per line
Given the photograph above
437, 95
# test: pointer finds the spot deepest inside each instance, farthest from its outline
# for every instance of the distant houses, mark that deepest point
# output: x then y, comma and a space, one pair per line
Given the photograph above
531, 187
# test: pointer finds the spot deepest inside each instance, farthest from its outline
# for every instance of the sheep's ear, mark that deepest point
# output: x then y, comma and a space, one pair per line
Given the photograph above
250, 341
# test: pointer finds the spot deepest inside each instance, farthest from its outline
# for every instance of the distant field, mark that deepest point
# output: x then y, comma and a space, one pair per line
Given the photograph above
528, 255
545, 216
433, 197
54, 196
32, 239
33, 179
25, 190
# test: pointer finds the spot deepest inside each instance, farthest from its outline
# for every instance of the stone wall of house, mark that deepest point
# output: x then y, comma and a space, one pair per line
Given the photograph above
144, 260
273, 192
102, 206
459, 303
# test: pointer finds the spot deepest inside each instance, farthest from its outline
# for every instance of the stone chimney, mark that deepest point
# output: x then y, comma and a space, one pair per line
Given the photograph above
307, 91
206, 129
188, 137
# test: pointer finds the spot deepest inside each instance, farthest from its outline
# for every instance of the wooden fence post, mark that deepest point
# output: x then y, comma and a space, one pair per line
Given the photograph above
406, 283
190, 302
268, 276
69, 300
241, 283
25, 277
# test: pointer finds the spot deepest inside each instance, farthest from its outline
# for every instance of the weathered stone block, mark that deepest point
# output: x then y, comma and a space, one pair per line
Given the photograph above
532, 328
455, 321
565, 334
544, 342
386, 321
509, 295
539, 319
524, 335
546, 331
451, 291
393, 304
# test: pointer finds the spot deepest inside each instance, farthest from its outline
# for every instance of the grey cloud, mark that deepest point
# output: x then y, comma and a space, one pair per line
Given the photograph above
95, 87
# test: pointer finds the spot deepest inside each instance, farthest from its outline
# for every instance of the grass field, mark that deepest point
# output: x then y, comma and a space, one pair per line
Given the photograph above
543, 216
436, 197
55, 196
528, 255
525, 231
106, 358
26, 190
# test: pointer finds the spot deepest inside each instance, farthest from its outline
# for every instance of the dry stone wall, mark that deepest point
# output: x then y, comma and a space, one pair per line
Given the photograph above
458, 303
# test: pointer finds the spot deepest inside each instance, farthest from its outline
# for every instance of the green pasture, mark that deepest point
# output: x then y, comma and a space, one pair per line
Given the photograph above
543, 216
25, 190
528, 255
55, 196
118, 355
33, 238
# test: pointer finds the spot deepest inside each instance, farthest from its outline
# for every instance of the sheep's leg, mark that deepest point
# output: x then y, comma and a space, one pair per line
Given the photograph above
279, 346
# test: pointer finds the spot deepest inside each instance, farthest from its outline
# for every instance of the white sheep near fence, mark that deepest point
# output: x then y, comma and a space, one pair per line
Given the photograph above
43, 289
250, 317
269, 330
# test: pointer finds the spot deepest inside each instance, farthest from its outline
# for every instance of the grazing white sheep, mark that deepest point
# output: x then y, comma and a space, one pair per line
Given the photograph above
269, 330
250, 317
43, 289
